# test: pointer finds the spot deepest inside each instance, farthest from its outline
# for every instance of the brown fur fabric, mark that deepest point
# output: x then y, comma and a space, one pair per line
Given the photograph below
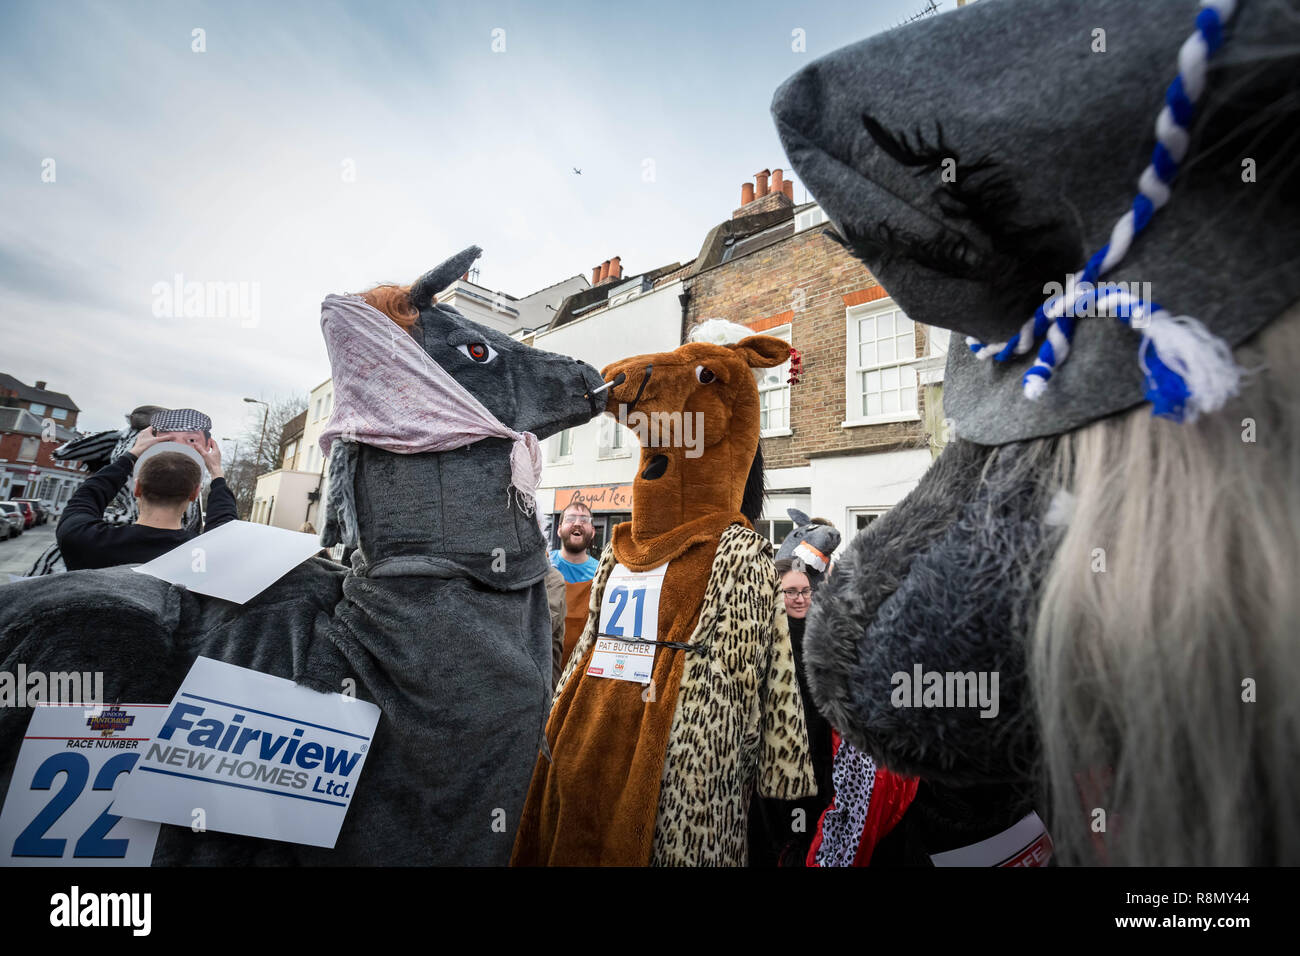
577, 597
608, 737
623, 783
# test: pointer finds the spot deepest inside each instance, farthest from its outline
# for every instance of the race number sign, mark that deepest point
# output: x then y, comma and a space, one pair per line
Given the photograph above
629, 609
60, 809
1024, 843
249, 753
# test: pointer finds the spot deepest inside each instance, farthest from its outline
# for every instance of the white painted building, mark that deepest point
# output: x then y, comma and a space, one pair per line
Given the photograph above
505, 313
292, 494
596, 462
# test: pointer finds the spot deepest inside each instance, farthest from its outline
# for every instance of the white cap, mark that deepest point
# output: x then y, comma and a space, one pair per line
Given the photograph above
172, 446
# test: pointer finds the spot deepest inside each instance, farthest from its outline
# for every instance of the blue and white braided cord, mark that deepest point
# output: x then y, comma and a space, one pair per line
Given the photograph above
1055, 318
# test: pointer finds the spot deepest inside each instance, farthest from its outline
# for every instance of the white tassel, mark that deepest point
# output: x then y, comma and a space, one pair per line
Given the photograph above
1201, 359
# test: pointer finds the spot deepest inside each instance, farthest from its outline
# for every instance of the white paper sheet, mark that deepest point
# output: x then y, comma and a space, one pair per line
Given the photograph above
236, 561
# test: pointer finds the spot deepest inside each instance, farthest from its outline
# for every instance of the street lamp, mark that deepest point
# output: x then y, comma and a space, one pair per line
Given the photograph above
260, 441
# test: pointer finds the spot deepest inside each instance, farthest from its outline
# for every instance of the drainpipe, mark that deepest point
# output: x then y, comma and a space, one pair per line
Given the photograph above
685, 299
316, 500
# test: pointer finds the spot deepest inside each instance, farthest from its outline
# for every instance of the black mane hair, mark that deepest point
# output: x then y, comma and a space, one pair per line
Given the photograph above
751, 503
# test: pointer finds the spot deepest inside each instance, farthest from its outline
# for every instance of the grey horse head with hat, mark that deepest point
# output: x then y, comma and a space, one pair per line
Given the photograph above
981, 161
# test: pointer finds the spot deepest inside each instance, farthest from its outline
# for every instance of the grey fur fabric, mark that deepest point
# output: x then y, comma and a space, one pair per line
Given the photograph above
340, 506
463, 703
947, 579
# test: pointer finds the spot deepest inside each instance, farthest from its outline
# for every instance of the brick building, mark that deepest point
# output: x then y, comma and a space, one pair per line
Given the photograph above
38, 400
27, 469
864, 422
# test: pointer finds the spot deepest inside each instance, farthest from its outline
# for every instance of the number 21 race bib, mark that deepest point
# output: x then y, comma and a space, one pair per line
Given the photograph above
629, 609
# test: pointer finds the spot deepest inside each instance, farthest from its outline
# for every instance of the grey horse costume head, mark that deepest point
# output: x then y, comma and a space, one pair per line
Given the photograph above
974, 159
811, 544
450, 516
969, 160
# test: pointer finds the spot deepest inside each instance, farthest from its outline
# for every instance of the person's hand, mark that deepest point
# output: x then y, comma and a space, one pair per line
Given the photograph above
211, 453
146, 439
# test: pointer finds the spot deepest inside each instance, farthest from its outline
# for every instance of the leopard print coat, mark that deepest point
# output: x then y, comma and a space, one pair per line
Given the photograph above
739, 721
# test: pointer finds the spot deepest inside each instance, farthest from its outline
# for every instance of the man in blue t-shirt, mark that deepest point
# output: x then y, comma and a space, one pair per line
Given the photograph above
576, 534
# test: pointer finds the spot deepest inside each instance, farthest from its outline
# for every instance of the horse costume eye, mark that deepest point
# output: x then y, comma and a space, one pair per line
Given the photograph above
478, 352
704, 375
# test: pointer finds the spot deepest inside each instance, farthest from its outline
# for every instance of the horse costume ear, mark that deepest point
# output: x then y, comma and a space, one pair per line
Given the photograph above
441, 276
762, 351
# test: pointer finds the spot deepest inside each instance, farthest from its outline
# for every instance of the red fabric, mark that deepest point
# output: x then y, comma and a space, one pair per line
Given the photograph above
891, 795
890, 798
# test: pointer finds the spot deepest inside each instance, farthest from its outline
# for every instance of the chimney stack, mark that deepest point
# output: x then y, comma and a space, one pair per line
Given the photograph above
765, 198
40, 385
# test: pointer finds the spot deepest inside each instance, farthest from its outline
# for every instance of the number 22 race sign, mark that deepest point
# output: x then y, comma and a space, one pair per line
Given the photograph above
58, 809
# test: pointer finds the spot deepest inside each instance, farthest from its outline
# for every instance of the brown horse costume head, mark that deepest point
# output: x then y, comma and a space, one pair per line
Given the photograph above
696, 412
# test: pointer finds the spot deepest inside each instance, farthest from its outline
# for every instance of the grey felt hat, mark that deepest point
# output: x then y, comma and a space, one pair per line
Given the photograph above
1047, 110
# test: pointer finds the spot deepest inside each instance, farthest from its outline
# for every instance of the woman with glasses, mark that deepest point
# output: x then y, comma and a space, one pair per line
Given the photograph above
781, 831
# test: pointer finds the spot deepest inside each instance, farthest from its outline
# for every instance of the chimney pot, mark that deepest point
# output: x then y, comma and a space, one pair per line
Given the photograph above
615, 269
604, 270
787, 187
762, 183
777, 177
746, 194
595, 274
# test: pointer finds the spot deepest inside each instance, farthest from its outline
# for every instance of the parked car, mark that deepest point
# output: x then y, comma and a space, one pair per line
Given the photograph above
41, 508
29, 514
13, 519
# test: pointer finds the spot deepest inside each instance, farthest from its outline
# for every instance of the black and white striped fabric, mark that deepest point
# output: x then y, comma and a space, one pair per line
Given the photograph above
93, 448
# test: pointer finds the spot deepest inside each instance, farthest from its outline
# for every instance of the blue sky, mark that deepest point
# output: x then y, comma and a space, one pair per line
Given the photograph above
231, 165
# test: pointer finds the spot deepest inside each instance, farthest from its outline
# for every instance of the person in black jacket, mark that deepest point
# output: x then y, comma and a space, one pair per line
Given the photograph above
781, 831
165, 485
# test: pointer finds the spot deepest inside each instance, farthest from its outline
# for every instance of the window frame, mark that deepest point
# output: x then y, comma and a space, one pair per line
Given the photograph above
853, 392
559, 455
852, 513
618, 446
36, 448
786, 334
